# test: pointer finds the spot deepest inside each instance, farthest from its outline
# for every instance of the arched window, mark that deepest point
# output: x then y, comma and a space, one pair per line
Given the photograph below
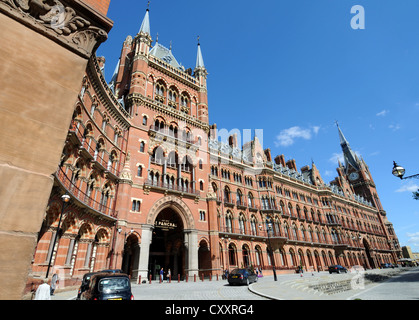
239, 197
242, 223
253, 225
157, 157
250, 200
227, 195
142, 146
229, 222
290, 209
232, 254
259, 257
294, 232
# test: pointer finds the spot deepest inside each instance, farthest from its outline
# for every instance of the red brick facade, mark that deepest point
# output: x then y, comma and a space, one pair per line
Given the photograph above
101, 6
151, 186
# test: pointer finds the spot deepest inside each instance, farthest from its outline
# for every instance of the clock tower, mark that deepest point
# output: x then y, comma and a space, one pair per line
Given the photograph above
356, 172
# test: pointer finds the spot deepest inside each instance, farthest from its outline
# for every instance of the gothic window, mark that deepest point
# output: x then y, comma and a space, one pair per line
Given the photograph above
250, 200
184, 104
144, 120
226, 194
159, 92
202, 215
242, 221
136, 205
172, 160
253, 225
157, 156
229, 223
140, 171
239, 197
142, 145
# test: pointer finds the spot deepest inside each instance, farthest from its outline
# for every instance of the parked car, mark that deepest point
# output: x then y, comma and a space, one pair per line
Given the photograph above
108, 286
386, 265
337, 268
84, 283
112, 271
242, 276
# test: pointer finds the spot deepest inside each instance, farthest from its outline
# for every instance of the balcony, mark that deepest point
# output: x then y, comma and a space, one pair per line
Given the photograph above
82, 197
162, 186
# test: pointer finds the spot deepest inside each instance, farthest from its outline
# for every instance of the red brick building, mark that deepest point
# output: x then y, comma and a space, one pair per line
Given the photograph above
152, 186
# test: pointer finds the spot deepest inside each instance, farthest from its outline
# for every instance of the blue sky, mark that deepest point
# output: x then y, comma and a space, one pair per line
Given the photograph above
293, 68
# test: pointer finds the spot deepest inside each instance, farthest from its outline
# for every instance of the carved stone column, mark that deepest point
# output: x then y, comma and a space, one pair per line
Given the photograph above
44, 53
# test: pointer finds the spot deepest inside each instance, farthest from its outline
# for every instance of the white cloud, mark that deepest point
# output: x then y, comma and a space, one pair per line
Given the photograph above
394, 127
288, 136
413, 240
328, 173
336, 157
382, 113
411, 187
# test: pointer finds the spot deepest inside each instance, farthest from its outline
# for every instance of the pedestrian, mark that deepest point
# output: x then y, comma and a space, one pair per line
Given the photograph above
44, 291
161, 275
54, 283
168, 275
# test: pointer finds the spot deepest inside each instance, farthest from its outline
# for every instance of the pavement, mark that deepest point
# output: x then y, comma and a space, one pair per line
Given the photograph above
305, 286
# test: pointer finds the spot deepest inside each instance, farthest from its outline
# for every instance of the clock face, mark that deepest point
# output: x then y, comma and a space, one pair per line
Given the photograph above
353, 176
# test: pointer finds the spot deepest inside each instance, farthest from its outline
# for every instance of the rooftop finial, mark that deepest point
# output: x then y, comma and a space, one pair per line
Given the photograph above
198, 41
148, 5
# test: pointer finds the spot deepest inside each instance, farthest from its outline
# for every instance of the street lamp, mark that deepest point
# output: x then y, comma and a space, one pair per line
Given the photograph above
65, 198
269, 225
399, 171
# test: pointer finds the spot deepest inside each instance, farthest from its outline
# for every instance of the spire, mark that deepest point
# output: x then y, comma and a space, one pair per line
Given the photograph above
115, 75
145, 26
348, 155
199, 59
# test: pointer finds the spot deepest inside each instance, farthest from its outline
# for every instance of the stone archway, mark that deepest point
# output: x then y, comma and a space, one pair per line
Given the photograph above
177, 205
170, 244
370, 260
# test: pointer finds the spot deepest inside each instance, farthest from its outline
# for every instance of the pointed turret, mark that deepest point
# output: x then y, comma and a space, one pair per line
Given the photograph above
199, 59
200, 74
112, 83
348, 155
145, 26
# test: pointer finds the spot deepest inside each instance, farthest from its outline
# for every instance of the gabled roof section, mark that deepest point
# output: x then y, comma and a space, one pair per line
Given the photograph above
165, 54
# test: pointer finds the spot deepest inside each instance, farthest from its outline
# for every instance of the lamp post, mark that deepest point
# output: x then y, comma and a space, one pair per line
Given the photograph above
65, 198
269, 229
399, 171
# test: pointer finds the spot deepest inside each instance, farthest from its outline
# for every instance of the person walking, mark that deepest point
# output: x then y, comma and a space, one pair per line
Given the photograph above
54, 283
43, 292
168, 275
161, 275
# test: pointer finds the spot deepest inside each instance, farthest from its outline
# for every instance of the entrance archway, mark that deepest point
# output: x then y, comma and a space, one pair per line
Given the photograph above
131, 255
367, 251
167, 249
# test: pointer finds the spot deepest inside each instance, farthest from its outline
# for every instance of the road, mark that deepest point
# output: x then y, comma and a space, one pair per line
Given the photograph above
402, 287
